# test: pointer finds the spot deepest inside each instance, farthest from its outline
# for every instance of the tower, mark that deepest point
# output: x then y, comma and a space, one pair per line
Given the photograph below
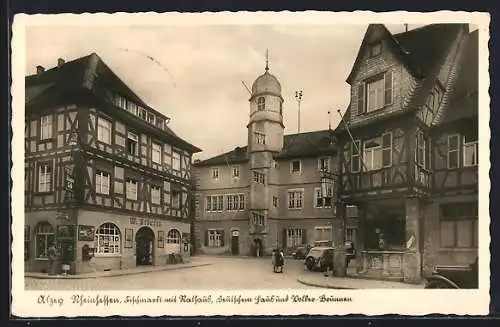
265, 138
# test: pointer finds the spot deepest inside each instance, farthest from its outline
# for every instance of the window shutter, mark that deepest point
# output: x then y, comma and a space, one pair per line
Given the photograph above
222, 238
284, 238
388, 87
304, 236
361, 98
206, 238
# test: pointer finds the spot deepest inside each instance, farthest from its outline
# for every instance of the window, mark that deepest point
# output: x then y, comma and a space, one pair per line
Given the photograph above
295, 199
44, 178
375, 94
215, 238
386, 149
258, 219
241, 204
160, 122
132, 107
176, 161
458, 225
131, 189
275, 201
259, 177
108, 239
173, 237
104, 130
151, 118
230, 202
236, 172
44, 236
378, 93
102, 182
372, 154
319, 201
421, 153
176, 200
156, 153
453, 149
295, 166
142, 113
324, 164
323, 233
132, 143
215, 173
470, 150
46, 127
355, 157
261, 103
215, 203
350, 234
375, 49
260, 138
235, 202
155, 194
294, 237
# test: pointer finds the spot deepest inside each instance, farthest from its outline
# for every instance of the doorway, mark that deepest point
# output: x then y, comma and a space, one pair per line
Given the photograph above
258, 247
144, 246
235, 242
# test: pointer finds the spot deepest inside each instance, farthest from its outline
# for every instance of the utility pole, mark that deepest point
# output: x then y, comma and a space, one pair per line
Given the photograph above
298, 98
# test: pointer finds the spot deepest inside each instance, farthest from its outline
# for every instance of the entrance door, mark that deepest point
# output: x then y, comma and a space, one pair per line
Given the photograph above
258, 247
235, 243
144, 246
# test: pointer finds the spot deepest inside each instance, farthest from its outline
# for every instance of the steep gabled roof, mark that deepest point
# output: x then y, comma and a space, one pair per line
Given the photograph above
294, 146
464, 98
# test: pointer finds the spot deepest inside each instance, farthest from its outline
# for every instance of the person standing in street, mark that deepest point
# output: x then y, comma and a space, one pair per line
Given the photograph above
52, 256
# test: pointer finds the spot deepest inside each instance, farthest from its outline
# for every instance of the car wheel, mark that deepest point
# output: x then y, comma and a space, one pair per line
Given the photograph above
437, 284
310, 263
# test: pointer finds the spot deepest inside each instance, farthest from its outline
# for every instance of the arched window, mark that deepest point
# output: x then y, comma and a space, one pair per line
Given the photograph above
108, 239
44, 235
173, 237
261, 103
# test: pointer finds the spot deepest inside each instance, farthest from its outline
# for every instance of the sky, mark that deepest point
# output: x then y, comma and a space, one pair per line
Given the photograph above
197, 72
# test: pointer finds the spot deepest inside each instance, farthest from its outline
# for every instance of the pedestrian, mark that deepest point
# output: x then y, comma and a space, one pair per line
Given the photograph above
281, 262
52, 256
273, 258
381, 242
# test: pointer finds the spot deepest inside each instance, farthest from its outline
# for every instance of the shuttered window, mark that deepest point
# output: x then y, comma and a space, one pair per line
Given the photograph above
379, 93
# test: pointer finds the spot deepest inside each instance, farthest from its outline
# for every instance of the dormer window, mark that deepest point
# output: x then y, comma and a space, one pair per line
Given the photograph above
375, 49
378, 93
261, 103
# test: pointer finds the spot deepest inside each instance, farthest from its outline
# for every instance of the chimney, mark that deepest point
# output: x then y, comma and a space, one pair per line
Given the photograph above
60, 62
39, 70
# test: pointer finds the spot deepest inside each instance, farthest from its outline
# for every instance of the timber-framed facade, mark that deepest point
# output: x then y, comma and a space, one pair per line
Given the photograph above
106, 179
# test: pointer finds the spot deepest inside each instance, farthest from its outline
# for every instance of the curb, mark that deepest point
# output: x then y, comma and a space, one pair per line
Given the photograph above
117, 274
300, 280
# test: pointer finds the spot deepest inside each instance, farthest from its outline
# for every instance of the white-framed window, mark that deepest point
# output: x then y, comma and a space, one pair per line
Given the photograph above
229, 202
470, 150
173, 237
241, 204
102, 182
375, 94
176, 161
108, 239
104, 130
176, 200
295, 166
151, 118
132, 143
155, 194
324, 164
156, 153
375, 49
215, 173
372, 154
142, 113
294, 237
275, 201
44, 238
131, 189
421, 150
258, 219
322, 233
235, 202
453, 151
259, 177
260, 138
355, 156
319, 201
132, 107
295, 198
261, 103
215, 238
46, 127
44, 178
214, 203
236, 172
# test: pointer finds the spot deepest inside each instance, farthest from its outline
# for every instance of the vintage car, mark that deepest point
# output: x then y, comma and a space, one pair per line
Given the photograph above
454, 277
300, 253
320, 258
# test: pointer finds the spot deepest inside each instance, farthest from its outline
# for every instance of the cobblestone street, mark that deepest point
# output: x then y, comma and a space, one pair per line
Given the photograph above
225, 273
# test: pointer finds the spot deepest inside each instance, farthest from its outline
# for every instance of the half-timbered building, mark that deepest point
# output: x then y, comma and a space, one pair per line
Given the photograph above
105, 176
409, 150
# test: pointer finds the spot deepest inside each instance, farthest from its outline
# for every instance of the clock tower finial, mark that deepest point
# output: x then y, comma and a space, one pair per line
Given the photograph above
267, 60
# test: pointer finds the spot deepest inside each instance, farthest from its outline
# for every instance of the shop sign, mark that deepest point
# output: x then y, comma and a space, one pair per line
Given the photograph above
145, 222
86, 233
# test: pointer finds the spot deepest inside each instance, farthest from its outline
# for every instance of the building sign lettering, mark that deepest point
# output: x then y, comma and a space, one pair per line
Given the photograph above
145, 221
